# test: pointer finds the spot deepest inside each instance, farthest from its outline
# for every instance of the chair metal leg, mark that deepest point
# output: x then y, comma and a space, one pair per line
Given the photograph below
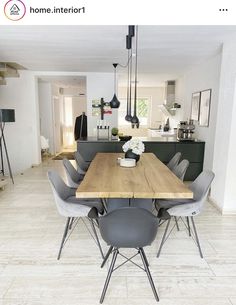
109, 275
106, 256
71, 223
96, 237
196, 237
188, 224
143, 256
64, 237
176, 222
163, 238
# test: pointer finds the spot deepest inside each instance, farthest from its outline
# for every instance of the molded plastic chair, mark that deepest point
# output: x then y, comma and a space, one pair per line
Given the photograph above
128, 228
189, 208
80, 162
71, 207
174, 161
73, 177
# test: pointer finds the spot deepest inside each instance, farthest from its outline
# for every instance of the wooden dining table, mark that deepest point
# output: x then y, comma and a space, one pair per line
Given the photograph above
150, 178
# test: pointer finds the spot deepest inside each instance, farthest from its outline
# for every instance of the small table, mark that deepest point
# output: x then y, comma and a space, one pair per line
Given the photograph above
149, 179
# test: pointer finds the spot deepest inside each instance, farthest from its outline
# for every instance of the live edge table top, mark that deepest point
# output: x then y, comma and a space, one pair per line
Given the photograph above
149, 179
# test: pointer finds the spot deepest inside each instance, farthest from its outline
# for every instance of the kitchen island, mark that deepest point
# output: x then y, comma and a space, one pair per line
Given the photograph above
163, 147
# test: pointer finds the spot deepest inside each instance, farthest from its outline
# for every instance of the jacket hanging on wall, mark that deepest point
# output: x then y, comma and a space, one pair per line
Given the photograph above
80, 131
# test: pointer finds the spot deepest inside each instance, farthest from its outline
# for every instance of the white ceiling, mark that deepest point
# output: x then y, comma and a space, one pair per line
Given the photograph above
164, 51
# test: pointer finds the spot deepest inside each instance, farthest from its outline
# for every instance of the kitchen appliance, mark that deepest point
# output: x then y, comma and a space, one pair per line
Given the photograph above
185, 131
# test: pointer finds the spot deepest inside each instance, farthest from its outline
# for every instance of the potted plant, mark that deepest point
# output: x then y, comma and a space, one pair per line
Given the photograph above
133, 149
114, 131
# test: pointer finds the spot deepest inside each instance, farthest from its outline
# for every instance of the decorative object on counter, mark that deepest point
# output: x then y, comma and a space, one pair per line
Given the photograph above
195, 106
102, 130
185, 131
167, 125
204, 113
115, 103
125, 138
80, 130
114, 131
133, 149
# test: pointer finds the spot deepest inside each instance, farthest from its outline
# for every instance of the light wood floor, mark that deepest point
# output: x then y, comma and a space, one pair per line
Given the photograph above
30, 233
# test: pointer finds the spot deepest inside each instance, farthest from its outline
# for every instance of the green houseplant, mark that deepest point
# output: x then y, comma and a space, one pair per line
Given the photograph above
114, 131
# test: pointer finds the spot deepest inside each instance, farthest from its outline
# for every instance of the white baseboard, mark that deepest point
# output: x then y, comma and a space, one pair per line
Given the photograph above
222, 211
213, 202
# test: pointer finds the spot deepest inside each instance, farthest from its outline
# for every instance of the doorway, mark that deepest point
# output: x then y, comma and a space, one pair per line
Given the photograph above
73, 106
61, 100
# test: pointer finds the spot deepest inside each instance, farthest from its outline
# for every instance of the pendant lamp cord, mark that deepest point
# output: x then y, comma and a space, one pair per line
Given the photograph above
128, 61
128, 104
136, 72
130, 82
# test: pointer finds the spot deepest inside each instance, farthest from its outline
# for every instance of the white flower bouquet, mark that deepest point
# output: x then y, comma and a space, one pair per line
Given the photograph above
135, 145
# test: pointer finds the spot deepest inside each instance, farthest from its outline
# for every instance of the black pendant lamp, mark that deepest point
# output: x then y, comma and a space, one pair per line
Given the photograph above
135, 119
115, 103
128, 116
131, 33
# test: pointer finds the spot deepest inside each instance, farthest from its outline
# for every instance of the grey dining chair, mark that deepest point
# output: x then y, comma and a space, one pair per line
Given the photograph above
188, 208
128, 227
73, 177
174, 161
81, 163
180, 169
72, 208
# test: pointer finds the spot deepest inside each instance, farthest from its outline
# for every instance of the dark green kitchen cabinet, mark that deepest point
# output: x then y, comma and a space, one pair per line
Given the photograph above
164, 150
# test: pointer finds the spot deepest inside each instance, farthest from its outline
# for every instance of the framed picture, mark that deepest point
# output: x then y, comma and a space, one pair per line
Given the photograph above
195, 106
205, 103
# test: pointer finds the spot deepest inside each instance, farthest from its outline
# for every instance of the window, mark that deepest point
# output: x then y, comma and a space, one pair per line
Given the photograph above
142, 111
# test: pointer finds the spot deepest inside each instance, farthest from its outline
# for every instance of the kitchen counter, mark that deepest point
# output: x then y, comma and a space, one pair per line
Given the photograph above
172, 139
163, 147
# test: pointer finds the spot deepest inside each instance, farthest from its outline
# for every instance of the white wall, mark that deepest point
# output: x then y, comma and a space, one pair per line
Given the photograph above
22, 136
224, 165
203, 76
46, 113
100, 85
21, 94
